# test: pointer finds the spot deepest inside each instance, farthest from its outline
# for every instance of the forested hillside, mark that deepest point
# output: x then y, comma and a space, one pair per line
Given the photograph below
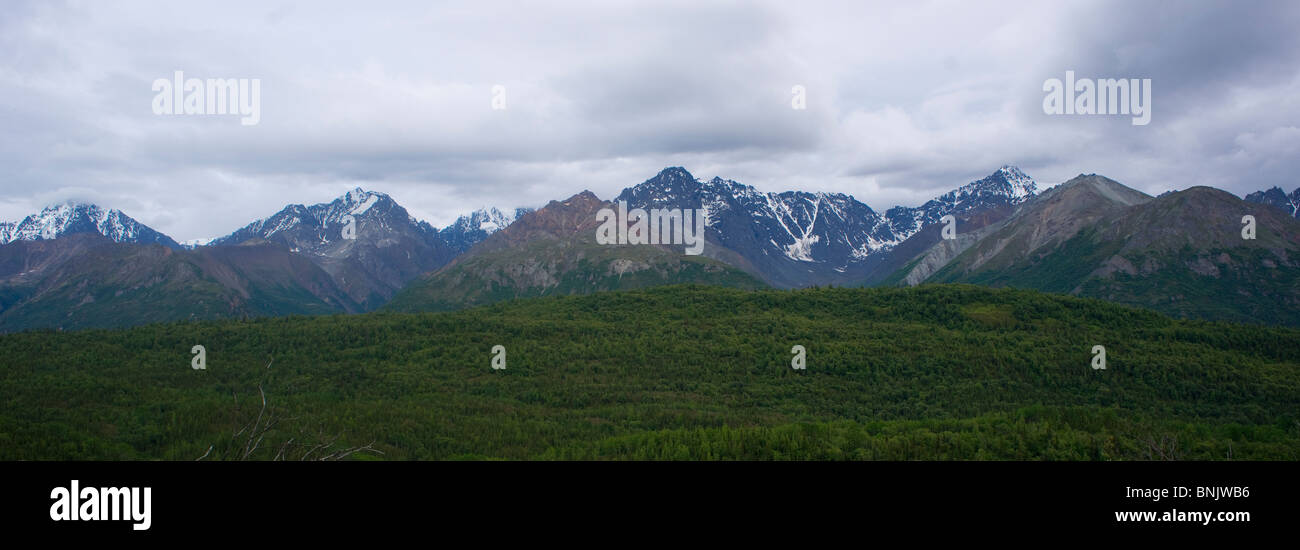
680, 372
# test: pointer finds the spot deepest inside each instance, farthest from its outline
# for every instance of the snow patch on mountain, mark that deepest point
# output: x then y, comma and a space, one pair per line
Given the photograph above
191, 244
796, 236
318, 229
801, 248
323, 221
365, 204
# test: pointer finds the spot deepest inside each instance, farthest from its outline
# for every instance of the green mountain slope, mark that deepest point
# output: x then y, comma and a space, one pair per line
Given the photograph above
548, 268
680, 372
553, 251
86, 281
1182, 253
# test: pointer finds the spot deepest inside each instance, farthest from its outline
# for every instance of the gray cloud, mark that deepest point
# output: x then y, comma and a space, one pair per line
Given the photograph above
905, 100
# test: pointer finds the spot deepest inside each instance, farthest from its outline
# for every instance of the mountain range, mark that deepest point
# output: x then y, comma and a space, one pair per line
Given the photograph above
797, 238
77, 265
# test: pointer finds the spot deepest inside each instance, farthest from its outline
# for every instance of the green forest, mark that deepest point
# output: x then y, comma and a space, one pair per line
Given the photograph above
687, 372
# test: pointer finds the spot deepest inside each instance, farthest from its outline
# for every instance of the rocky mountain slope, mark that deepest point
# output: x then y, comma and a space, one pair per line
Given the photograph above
1276, 197
385, 249
554, 251
797, 238
85, 280
473, 228
1182, 253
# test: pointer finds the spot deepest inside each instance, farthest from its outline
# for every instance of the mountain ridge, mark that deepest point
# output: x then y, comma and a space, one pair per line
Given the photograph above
802, 238
70, 217
1183, 253
553, 250
88, 281
1276, 197
1090, 235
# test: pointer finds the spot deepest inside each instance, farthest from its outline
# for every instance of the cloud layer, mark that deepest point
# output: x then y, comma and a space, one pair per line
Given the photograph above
904, 100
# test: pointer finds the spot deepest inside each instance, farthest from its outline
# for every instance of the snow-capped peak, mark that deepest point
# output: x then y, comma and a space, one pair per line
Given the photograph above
71, 217
191, 244
472, 228
817, 229
487, 219
356, 195
359, 200
56, 220
1007, 184
366, 203
1020, 185
355, 203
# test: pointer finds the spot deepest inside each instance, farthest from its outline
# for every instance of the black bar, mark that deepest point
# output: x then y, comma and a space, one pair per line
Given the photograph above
234, 500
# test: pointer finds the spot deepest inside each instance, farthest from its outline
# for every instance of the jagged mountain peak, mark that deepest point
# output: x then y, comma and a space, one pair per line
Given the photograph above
356, 202
557, 220
1020, 185
358, 194
1274, 193
72, 217
1008, 183
365, 241
1278, 197
302, 226
673, 173
472, 228
1012, 171
1006, 187
673, 179
810, 237
487, 219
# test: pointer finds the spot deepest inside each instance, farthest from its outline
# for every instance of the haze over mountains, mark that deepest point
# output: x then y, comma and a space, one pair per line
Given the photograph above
77, 265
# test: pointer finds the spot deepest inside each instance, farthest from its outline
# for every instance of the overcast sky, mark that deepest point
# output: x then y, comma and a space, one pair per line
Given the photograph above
905, 100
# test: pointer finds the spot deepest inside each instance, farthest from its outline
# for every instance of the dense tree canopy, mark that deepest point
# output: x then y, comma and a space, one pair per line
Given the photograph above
682, 372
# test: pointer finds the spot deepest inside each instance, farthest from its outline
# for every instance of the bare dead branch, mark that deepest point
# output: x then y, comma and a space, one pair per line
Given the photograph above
252, 434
